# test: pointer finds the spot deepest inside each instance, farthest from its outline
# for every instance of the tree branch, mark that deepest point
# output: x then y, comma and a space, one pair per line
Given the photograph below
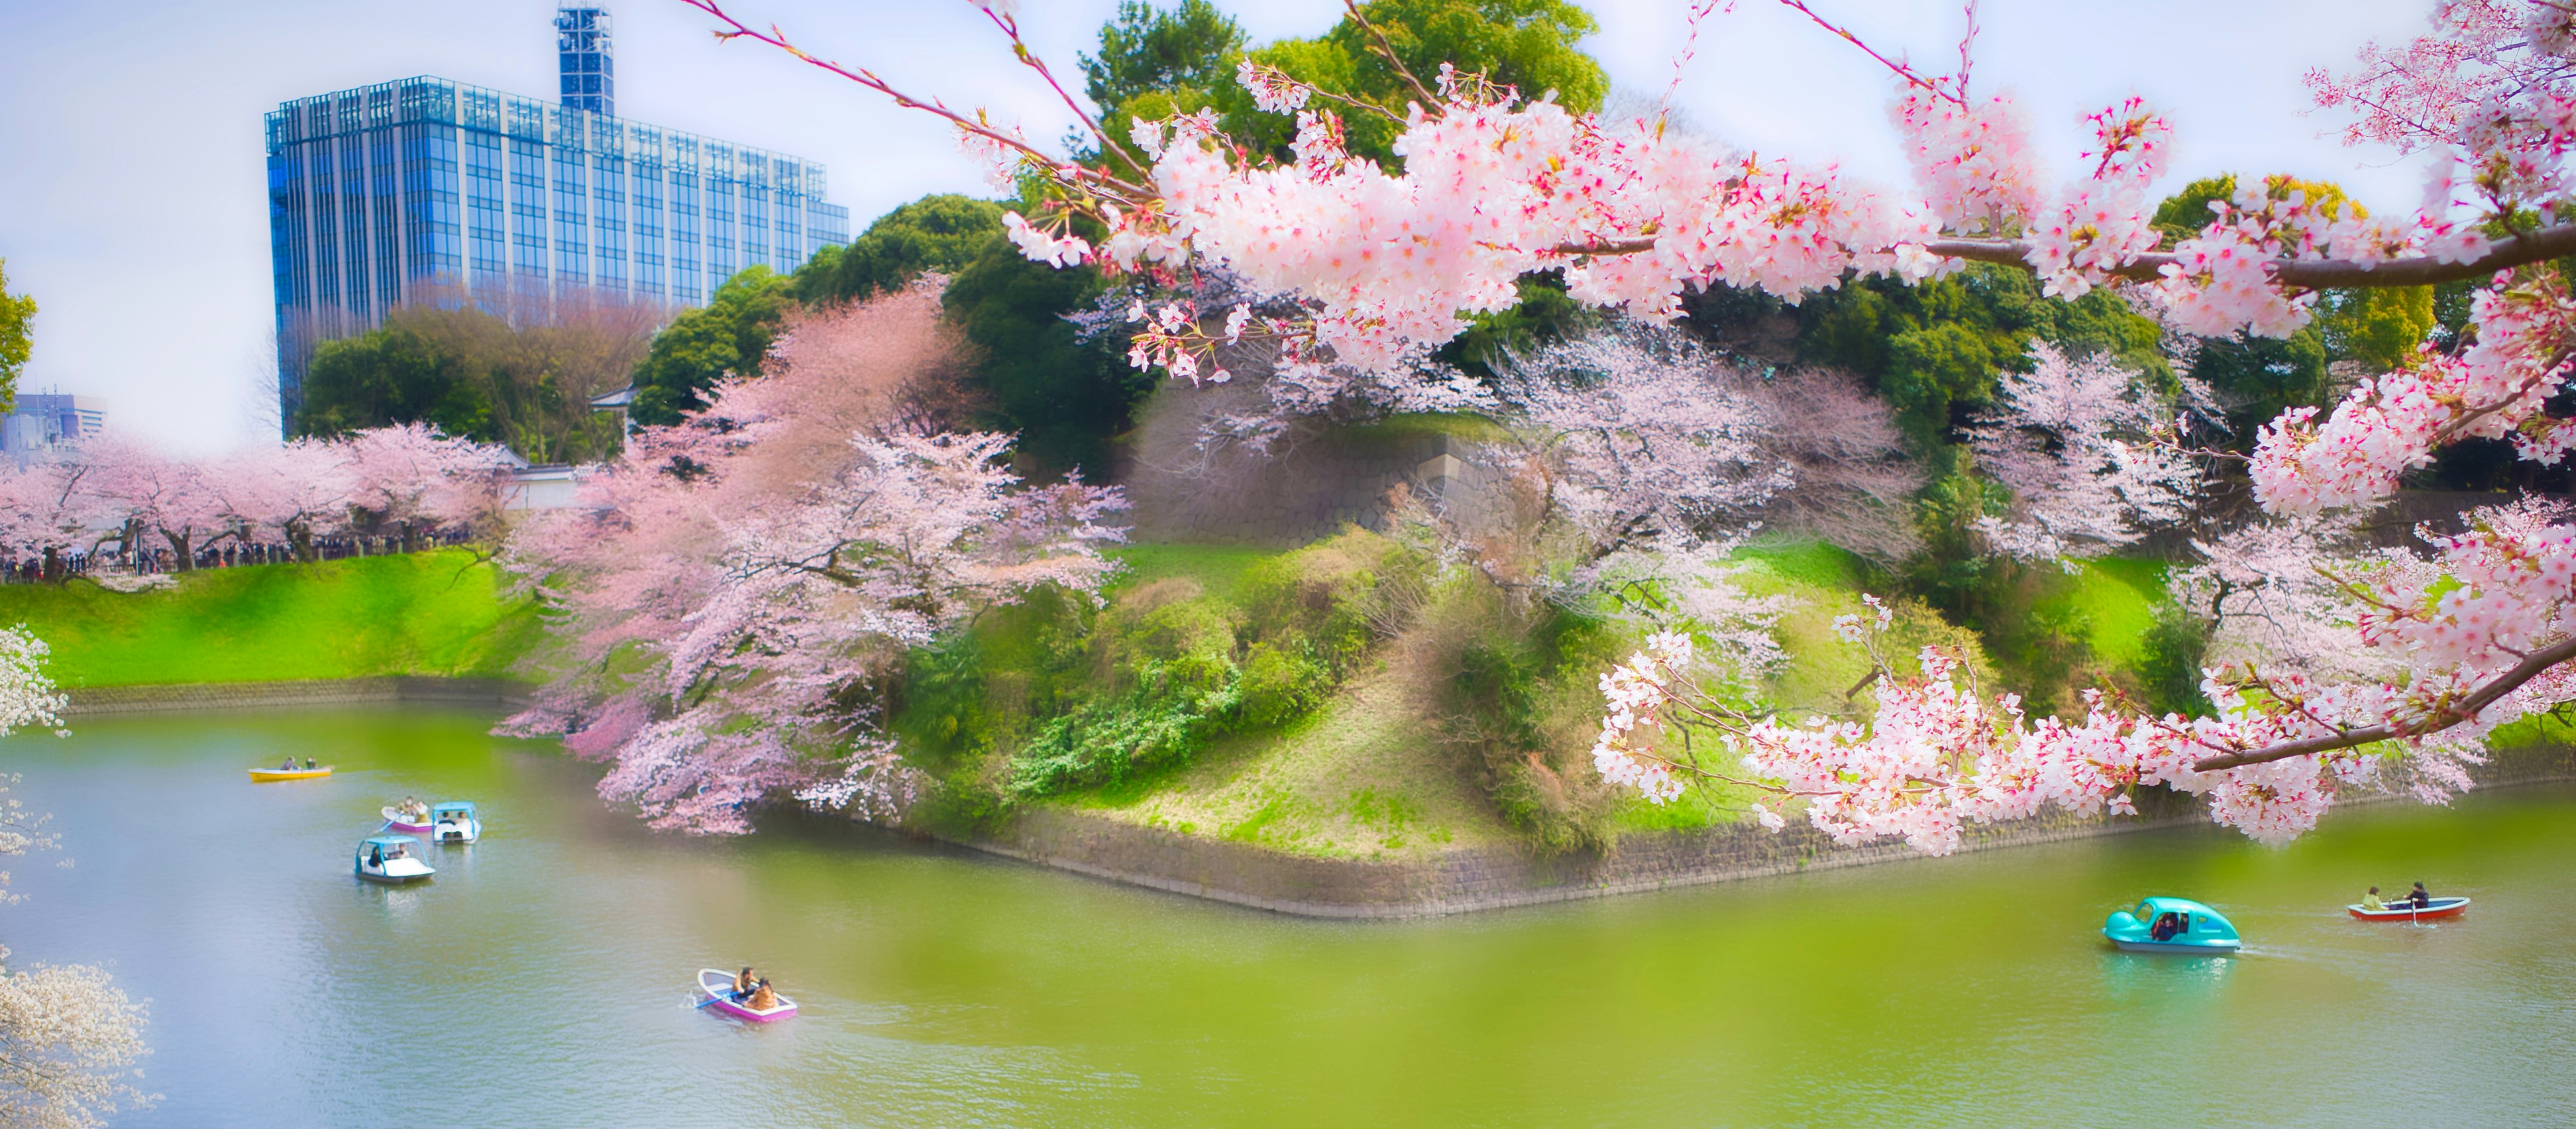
1430, 101
2532, 666
2305, 274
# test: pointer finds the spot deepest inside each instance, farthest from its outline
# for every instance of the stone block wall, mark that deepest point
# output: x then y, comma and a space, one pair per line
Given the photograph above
296, 694
1489, 878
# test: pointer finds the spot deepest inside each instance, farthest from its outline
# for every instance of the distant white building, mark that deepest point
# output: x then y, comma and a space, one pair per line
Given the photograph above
550, 486
43, 421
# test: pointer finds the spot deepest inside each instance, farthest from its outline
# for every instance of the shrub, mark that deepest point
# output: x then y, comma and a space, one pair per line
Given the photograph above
1110, 742
1280, 686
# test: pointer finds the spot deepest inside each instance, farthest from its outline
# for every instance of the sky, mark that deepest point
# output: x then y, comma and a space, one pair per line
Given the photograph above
132, 174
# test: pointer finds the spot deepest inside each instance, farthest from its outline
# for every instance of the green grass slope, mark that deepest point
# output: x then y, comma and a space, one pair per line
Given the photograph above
440, 613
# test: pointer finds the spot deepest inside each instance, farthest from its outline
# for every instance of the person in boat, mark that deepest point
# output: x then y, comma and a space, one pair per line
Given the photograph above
289, 766
2166, 926
376, 857
762, 999
308, 763
744, 982
2419, 897
2370, 902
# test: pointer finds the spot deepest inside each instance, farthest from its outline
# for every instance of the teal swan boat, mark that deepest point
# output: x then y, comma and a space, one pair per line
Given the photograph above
2172, 925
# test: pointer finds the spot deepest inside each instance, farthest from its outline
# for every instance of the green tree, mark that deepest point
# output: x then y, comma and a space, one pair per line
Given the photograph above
730, 334
393, 375
17, 318
1934, 350
485, 371
1527, 44
2377, 328
942, 233
1065, 397
1145, 49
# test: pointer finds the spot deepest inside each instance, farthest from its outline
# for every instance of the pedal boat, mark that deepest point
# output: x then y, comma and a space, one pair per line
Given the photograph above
2433, 910
717, 984
396, 820
396, 863
454, 822
273, 775
2188, 928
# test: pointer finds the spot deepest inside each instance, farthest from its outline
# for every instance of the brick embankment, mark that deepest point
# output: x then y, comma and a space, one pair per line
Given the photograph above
1467, 880
298, 694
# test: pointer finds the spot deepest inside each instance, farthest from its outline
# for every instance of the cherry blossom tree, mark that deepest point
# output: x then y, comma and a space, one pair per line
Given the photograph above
1379, 263
770, 555
296, 492
51, 507
415, 480
69, 1037
2074, 439
173, 497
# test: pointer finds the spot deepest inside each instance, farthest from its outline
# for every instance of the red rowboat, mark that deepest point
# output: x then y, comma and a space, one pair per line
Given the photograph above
2434, 910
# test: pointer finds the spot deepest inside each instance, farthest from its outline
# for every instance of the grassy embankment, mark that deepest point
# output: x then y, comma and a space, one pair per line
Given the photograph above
1373, 765
439, 613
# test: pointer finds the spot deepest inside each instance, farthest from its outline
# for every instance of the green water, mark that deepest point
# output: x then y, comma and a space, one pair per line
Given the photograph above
542, 979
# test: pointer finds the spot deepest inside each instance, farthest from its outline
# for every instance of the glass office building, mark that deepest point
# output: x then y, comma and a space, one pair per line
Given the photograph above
423, 187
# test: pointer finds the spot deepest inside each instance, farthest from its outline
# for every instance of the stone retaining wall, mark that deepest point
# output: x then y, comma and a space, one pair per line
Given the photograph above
1489, 878
296, 694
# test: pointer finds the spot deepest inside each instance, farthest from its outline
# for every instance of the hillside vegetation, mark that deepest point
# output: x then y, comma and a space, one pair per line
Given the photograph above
1348, 699
437, 613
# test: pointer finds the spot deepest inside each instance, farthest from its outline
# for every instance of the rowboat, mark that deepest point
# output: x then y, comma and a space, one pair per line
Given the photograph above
394, 818
2172, 925
718, 986
273, 775
2405, 911
389, 859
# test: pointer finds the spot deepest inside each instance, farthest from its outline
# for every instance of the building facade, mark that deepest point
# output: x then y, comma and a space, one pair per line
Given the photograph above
385, 194
41, 422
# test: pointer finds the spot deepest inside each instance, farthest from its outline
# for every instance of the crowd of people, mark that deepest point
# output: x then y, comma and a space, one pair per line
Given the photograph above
231, 554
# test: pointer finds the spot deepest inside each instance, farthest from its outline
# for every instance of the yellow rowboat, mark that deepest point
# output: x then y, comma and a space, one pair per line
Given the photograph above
272, 775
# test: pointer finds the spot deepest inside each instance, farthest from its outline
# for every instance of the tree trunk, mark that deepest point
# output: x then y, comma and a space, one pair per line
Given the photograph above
302, 540
53, 565
179, 549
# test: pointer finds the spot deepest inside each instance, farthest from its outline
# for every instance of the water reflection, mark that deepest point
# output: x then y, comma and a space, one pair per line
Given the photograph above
2155, 977
555, 958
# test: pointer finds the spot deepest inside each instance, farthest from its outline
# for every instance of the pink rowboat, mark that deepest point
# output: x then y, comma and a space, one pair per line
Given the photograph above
395, 820
2435, 910
717, 984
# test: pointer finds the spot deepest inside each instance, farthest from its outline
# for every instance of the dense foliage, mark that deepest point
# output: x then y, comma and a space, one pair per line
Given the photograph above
941, 233
727, 337
523, 379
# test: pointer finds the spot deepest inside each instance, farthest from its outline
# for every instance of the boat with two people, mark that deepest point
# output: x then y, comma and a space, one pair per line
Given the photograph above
454, 822
2172, 925
390, 859
724, 994
410, 816
288, 771
2415, 905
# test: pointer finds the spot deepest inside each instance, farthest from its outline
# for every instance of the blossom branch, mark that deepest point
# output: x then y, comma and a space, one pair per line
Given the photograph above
967, 123
2442, 717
